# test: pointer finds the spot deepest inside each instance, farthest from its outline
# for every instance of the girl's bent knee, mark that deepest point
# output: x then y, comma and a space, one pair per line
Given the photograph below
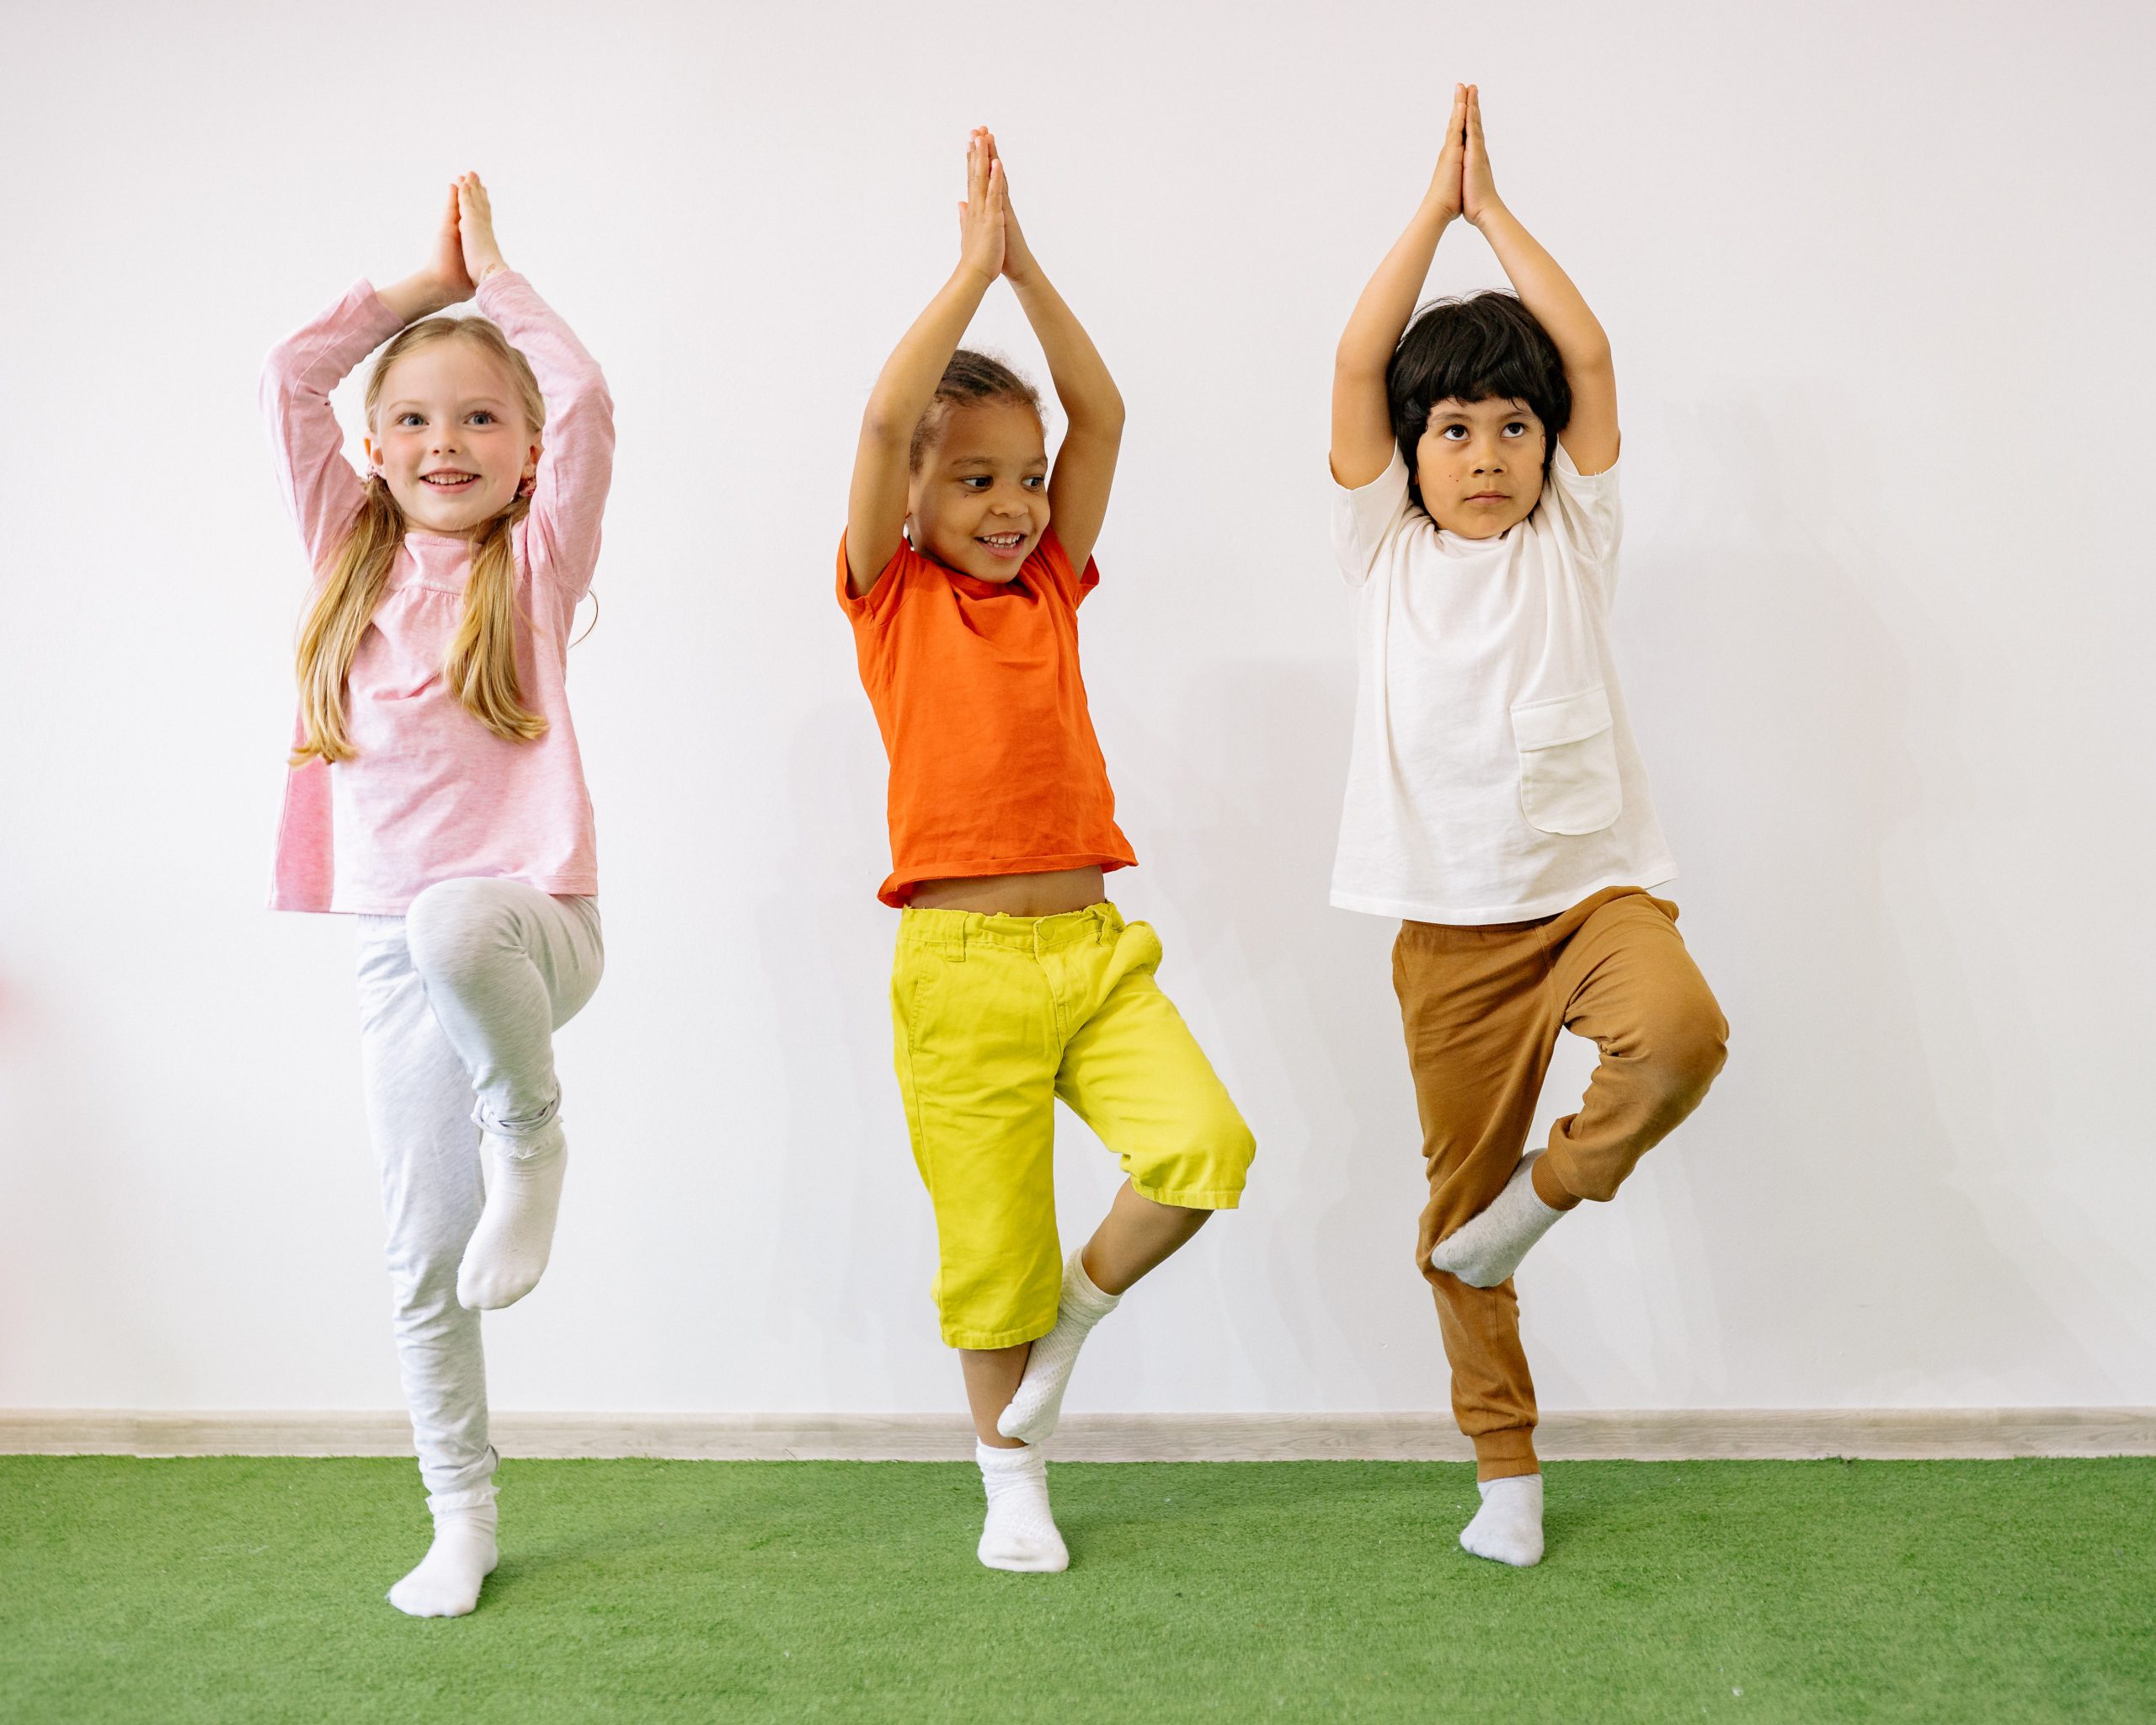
452, 926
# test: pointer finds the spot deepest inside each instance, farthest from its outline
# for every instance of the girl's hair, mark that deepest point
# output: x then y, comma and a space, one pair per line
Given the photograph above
1483, 347
971, 378
480, 664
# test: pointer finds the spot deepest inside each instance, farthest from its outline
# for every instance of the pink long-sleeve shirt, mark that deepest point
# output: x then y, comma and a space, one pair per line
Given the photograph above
433, 794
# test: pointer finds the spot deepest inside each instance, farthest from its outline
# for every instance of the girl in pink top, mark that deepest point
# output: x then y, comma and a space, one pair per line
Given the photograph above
435, 793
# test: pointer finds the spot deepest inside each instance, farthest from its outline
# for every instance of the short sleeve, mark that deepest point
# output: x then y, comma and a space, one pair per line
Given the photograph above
1054, 563
1588, 508
1366, 518
873, 608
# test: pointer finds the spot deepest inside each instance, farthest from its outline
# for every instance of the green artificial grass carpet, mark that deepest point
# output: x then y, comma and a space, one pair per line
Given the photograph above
235, 1590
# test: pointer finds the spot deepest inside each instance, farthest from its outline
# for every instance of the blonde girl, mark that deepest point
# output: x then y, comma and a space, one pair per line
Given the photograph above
434, 794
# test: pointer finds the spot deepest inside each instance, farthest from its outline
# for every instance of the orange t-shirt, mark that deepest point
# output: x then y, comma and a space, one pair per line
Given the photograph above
994, 768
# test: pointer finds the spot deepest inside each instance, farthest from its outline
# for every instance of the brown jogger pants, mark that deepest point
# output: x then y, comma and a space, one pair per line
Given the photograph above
1481, 1008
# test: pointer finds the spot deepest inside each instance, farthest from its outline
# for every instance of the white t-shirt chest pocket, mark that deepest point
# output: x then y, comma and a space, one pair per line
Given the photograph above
1568, 781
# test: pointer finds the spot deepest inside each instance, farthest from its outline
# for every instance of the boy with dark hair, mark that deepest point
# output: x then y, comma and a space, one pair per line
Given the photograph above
1496, 801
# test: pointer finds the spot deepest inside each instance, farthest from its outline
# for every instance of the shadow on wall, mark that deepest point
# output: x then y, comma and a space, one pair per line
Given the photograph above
1242, 817
856, 1211
1802, 772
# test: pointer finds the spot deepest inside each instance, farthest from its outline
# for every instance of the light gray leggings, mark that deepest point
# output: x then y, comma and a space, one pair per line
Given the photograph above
459, 1001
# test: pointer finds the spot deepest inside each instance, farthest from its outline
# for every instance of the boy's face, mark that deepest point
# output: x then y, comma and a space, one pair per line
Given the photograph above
1479, 466
451, 439
978, 501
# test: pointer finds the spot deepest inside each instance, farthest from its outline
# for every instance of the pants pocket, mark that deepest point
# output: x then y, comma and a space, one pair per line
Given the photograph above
1568, 781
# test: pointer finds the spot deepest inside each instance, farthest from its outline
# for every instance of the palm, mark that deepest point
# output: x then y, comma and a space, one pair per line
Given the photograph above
1444, 182
1478, 191
980, 217
447, 262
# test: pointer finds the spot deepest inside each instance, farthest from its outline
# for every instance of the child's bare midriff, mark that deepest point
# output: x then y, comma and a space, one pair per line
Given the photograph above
1049, 895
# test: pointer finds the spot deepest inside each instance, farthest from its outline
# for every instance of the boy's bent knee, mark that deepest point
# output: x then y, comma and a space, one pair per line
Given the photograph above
1690, 1051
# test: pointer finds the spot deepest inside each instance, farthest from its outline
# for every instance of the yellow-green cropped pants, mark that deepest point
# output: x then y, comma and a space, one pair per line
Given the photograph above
994, 1016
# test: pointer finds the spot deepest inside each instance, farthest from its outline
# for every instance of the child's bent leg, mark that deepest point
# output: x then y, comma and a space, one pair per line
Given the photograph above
1630, 985
1134, 1072
426, 1150
1627, 982
504, 966
1136, 1235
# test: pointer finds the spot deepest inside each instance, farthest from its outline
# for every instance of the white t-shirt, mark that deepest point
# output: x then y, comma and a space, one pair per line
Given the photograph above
1494, 777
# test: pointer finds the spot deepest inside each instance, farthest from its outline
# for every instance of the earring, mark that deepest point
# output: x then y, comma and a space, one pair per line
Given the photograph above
527, 485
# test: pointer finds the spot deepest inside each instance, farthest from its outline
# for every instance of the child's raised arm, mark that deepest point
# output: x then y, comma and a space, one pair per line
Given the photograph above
320, 488
876, 506
1092, 407
576, 462
1362, 418
1591, 437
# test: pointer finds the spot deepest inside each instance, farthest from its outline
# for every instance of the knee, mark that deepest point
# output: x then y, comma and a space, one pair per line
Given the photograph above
1219, 1152
1688, 1051
451, 926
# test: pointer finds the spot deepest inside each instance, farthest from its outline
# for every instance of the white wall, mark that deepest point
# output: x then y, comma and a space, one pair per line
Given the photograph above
1878, 279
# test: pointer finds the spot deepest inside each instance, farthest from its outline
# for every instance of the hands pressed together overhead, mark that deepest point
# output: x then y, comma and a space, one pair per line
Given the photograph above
465, 251
1462, 184
989, 238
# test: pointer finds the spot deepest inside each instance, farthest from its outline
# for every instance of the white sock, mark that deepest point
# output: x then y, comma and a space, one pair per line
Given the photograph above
446, 1583
1033, 1413
1490, 1246
1019, 1532
1508, 1528
507, 1252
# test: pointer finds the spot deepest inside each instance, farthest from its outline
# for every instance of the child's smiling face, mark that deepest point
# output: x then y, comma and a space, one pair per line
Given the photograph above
1479, 465
978, 503
450, 437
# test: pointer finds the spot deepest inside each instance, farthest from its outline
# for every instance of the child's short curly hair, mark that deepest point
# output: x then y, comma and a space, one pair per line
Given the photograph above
970, 378
1481, 347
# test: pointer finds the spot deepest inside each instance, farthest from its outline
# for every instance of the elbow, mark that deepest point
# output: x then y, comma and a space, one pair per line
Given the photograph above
1591, 360
883, 428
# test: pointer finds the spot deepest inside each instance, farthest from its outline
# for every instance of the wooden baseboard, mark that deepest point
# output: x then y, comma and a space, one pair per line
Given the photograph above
1671, 1436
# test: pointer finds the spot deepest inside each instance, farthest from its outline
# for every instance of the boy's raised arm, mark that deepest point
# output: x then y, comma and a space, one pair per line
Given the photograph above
1362, 419
1591, 438
1085, 463
876, 505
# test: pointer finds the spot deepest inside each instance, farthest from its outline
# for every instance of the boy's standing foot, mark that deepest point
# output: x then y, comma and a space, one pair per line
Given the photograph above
1507, 1529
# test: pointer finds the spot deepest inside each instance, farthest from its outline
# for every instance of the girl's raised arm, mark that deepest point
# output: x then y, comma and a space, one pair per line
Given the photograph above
1362, 417
1085, 463
320, 488
876, 505
576, 462
1590, 436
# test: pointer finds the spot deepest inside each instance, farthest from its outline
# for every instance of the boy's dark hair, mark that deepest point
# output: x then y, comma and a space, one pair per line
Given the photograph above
971, 378
1479, 347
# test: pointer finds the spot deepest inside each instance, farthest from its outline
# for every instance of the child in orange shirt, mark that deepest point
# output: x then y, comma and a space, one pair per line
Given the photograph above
1015, 981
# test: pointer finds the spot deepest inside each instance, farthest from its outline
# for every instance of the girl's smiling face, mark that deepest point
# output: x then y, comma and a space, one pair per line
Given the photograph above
1479, 465
978, 503
450, 439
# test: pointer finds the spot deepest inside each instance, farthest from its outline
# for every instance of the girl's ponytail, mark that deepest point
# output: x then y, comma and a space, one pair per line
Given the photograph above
338, 617
481, 662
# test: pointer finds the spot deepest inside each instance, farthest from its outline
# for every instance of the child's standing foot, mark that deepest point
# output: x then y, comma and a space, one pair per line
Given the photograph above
1507, 1529
1488, 1248
1020, 1533
447, 1584
1038, 1405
